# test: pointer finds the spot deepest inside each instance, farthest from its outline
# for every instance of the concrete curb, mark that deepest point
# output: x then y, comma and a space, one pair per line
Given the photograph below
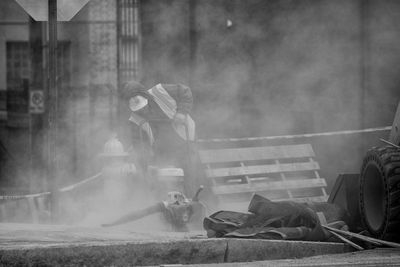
240, 250
196, 251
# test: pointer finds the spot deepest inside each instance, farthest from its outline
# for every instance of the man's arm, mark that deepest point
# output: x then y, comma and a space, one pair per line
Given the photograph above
135, 215
185, 99
182, 95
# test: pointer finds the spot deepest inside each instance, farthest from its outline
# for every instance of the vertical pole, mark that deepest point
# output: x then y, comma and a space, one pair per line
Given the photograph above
52, 103
364, 60
31, 76
364, 66
36, 77
137, 38
190, 182
192, 41
27, 89
128, 23
92, 114
118, 24
119, 64
111, 92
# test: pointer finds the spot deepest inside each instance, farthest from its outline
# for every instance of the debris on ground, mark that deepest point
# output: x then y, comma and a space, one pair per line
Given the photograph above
286, 220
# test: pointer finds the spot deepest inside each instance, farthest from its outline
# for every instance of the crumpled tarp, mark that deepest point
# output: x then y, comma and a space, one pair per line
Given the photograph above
286, 220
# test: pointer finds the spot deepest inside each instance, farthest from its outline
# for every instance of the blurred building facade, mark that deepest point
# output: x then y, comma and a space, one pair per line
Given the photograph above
255, 67
87, 76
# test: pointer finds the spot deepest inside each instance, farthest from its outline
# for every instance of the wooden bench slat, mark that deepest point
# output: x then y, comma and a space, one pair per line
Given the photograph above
260, 169
305, 199
170, 172
268, 186
256, 153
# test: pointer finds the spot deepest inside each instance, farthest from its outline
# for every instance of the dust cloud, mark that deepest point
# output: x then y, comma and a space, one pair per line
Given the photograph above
292, 67
259, 68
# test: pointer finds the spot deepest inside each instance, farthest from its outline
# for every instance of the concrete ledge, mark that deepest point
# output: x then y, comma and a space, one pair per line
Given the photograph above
240, 250
60, 245
120, 253
117, 253
371, 258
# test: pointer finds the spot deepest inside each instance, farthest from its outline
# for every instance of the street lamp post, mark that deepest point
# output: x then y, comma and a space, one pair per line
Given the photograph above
52, 107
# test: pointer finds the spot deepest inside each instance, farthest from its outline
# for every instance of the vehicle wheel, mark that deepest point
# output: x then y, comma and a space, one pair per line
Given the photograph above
380, 193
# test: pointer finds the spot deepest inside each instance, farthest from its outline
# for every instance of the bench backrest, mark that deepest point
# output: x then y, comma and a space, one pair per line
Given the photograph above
278, 172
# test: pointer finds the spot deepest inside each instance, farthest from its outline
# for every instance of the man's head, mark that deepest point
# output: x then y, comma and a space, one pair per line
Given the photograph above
131, 89
136, 96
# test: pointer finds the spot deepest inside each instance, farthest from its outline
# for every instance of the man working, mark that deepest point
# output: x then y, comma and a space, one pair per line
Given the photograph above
162, 114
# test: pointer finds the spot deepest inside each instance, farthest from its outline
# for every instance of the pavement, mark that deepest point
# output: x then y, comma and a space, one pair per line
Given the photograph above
60, 245
373, 257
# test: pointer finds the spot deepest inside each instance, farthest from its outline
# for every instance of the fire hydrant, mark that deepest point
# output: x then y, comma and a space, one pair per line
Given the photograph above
117, 173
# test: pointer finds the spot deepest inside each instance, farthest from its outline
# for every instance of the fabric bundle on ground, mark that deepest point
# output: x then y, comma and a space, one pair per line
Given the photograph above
284, 220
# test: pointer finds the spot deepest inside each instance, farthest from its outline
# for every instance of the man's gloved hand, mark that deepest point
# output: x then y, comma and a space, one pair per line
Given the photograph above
180, 118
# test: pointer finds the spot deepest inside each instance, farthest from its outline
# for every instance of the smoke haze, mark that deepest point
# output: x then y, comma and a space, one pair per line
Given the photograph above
256, 68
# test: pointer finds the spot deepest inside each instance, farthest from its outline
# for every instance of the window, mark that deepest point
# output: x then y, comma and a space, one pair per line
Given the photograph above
128, 39
18, 64
18, 74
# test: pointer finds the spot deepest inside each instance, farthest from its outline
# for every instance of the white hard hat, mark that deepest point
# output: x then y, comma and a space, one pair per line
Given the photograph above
137, 102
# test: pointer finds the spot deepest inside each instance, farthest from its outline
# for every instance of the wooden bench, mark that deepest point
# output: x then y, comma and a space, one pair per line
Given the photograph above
276, 172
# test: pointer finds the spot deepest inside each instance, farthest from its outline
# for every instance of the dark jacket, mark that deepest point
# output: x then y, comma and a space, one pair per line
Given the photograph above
273, 220
182, 95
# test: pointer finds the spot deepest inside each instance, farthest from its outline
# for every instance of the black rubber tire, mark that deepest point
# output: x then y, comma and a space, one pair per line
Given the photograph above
380, 193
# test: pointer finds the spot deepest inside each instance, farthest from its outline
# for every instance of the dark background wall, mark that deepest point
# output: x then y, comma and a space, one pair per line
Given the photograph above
281, 67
